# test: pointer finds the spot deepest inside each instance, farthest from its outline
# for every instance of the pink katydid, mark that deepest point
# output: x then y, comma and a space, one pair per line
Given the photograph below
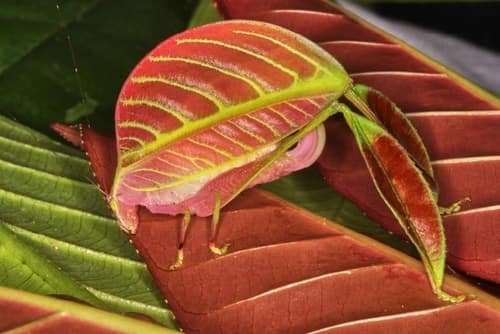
223, 107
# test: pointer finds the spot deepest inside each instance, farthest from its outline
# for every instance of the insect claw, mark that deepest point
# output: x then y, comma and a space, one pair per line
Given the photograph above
218, 250
449, 298
213, 233
454, 208
179, 261
182, 236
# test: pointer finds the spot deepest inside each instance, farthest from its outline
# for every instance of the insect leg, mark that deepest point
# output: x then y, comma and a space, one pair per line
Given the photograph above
352, 97
330, 109
213, 232
454, 208
393, 174
182, 238
126, 215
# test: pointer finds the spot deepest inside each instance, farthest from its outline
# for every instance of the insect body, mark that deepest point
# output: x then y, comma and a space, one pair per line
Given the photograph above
201, 115
220, 108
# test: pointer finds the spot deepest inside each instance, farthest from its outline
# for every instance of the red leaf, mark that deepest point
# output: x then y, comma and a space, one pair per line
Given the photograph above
69, 132
291, 271
288, 271
24, 312
100, 150
454, 118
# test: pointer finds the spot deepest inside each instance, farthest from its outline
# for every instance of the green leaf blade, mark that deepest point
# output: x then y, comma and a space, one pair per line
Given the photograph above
14, 131
118, 284
40, 21
44, 160
73, 243
54, 189
17, 262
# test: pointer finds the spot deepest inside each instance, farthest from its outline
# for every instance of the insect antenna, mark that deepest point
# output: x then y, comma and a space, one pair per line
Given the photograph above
72, 53
86, 103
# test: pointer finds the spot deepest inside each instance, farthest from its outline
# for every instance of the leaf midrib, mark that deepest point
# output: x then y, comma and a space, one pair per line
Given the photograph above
83, 213
312, 87
44, 174
117, 300
96, 255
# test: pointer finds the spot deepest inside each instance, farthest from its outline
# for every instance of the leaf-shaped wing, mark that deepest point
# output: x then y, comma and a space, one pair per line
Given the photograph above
213, 99
179, 170
209, 74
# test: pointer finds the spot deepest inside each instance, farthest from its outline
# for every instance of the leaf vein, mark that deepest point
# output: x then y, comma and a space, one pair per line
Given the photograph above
267, 60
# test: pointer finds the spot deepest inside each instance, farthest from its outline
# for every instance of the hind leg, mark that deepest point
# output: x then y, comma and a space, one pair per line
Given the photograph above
182, 238
454, 208
214, 227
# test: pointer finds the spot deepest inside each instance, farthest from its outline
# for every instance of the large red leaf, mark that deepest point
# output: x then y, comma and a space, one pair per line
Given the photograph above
457, 120
290, 271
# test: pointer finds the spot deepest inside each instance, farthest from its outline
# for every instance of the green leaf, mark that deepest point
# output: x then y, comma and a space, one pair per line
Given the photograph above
22, 136
204, 13
25, 312
37, 70
18, 261
57, 235
82, 109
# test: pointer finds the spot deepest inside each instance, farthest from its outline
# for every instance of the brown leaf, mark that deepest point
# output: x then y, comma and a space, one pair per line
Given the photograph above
101, 151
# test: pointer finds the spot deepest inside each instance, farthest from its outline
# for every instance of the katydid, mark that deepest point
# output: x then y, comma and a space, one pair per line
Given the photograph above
217, 109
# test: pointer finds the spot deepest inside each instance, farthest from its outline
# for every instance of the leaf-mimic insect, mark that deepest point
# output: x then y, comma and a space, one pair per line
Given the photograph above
215, 110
